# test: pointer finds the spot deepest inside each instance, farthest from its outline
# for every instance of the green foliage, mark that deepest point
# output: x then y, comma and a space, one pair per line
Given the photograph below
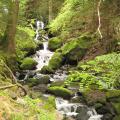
24, 42
60, 92
101, 73
28, 64
54, 43
71, 18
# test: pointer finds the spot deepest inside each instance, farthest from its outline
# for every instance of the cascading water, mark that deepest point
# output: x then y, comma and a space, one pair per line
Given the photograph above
71, 109
39, 26
75, 110
43, 56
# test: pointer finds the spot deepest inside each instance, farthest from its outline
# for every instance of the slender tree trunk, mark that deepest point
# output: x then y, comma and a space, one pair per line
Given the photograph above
99, 19
50, 10
11, 25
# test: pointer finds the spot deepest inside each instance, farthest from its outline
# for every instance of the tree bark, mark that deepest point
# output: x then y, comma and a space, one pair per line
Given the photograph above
99, 19
11, 25
50, 10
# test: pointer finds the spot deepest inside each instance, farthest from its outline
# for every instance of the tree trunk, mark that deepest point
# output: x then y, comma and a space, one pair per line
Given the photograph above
11, 25
50, 10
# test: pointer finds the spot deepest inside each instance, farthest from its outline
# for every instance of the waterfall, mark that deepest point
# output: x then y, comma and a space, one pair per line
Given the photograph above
39, 26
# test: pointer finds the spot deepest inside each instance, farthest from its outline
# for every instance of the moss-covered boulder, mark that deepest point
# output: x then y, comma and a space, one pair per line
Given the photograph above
94, 96
56, 61
75, 49
116, 117
60, 92
46, 70
28, 64
57, 83
116, 106
45, 79
54, 43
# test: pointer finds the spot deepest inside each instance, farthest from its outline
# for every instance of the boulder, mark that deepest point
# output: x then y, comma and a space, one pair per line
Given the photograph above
60, 92
46, 70
54, 43
28, 64
56, 61
40, 88
38, 79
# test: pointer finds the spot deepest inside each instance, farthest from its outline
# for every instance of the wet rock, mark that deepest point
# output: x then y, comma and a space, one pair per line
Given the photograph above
77, 99
108, 116
40, 88
43, 79
82, 113
38, 79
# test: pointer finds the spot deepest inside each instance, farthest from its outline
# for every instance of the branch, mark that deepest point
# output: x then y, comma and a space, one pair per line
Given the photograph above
14, 80
6, 87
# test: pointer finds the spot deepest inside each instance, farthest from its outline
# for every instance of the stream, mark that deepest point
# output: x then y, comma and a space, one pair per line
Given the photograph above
75, 110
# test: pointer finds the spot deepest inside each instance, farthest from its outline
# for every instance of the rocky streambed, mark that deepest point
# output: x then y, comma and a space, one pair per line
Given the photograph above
69, 101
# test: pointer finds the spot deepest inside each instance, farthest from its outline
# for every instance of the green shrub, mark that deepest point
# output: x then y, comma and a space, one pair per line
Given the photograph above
60, 92
28, 64
101, 73
54, 43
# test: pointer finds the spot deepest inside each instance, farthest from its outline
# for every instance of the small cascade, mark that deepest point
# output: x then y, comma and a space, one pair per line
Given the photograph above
39, 26
76, 110
43, 56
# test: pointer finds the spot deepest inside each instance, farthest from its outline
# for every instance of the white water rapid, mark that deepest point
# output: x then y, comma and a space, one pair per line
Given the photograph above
39, 26
77, 110
43, 56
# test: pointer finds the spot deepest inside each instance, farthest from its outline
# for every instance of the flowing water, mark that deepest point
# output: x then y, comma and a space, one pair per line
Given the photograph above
76, 110
43, 56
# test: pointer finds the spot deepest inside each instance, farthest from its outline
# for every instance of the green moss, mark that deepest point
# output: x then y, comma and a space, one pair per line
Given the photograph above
28, 64
60, 92
94, 96
116, 107
46, 70
25, 45
42, 80
113, 94
116, 117
54, 43
56, 61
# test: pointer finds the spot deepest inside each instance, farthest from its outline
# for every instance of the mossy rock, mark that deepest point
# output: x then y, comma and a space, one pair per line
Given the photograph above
94, 96
56, 61
113, 94
39, 45
57, 83
75, 49
60, 92
116, 117
28, 64
36, 81
54, 43
116, 106
46, 70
